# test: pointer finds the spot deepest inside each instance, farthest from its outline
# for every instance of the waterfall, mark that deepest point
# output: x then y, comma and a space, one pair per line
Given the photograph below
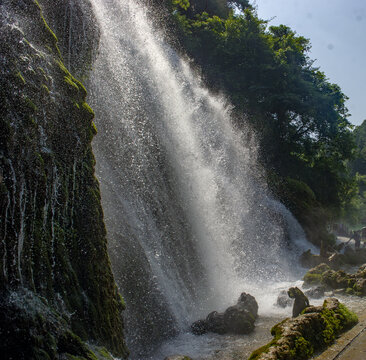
189, 219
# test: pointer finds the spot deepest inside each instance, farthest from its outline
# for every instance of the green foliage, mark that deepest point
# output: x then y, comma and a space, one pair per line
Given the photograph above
354, 211
267, 75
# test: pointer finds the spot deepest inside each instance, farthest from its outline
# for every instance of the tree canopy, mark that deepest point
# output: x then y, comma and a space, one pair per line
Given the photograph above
265, 71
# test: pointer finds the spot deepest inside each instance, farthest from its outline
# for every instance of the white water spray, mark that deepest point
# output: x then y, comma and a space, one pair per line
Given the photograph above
190, 222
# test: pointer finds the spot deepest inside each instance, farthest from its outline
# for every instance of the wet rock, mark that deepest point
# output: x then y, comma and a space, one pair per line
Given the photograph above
338, 281
237, 319
309, 260
301, 301
283, 299
199, 327
314, 275
248, 302
316, 292
300, 337
215, 323
360, 287
335, 279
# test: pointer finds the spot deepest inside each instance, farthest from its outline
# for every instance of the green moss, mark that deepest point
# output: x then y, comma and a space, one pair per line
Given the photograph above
94, 129
49, 30
303, 349
121, 301
68, 80
19, 76
262, 350
45, 88
69, 343
30, 104
88, 108
276, 331
347, 317
349, 291
64, 234
51, 36
332, 326
102, 353
312, 279
312, 334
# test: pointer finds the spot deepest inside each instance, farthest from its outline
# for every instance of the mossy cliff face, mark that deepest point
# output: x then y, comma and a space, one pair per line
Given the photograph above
52, 235
77, 32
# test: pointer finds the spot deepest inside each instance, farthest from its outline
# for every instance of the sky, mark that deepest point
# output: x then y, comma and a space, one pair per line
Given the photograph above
337, 32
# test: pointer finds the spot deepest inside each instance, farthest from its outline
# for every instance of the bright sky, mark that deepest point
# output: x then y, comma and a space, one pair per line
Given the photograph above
337, 32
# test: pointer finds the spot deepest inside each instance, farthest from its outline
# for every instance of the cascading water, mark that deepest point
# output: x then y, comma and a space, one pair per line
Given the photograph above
190, 223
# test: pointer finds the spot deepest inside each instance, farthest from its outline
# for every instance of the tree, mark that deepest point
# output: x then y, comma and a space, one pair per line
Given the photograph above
299, 116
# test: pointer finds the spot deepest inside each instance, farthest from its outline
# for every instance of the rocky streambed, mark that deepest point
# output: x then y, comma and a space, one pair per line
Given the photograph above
213, 346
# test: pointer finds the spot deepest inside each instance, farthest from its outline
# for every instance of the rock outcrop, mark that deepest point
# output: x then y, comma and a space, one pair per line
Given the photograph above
56, 284
298, 338
301, 301
334, 260
237, 319
352, 284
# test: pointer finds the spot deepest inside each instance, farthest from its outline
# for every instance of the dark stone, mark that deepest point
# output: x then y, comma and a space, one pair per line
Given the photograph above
248, 302
315, 293
309, 260
237, 319
199, 327
215, 323
49, 196
360, 287
283, 299
301, 301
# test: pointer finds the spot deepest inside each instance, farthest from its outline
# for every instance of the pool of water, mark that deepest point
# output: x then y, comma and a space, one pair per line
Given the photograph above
225, 347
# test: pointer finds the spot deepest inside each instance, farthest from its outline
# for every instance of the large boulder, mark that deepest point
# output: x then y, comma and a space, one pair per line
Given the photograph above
314, 275
237, 319
215, 323
299, 338
248, 302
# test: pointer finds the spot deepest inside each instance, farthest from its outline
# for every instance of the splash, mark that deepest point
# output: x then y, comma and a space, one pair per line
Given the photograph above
189, 218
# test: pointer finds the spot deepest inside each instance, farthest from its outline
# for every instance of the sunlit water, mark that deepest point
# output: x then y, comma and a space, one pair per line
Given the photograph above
190, 221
